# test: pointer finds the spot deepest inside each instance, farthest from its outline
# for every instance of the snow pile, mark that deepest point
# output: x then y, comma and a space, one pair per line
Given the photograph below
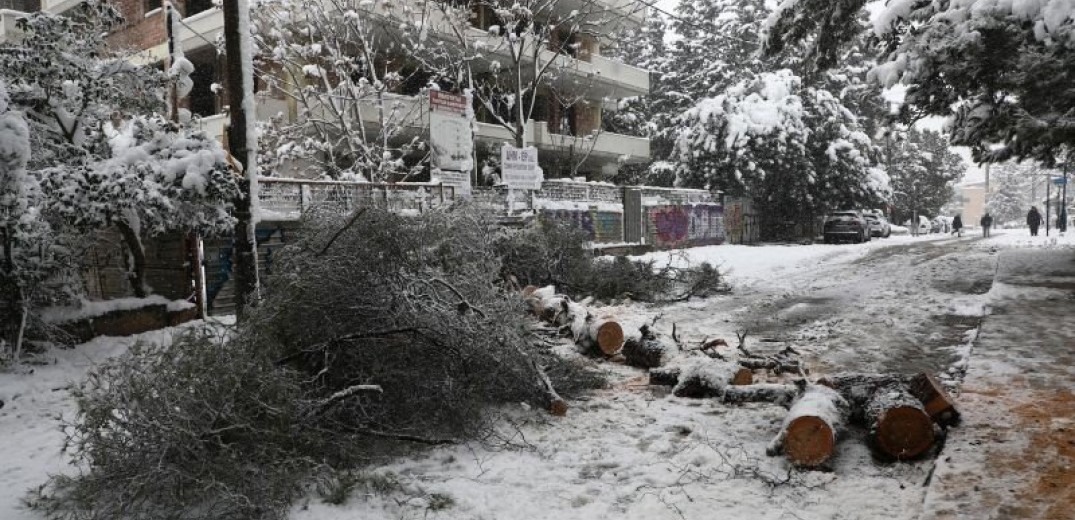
92, 309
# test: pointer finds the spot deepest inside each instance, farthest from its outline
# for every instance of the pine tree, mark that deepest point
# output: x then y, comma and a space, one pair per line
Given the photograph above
923, 172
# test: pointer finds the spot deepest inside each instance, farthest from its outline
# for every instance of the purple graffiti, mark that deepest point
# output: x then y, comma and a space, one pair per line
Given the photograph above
672, 224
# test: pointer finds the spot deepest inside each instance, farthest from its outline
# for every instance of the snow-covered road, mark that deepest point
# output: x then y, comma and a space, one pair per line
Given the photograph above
634, 452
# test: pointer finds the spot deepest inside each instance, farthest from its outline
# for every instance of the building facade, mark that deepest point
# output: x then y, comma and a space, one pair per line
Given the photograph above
557, 131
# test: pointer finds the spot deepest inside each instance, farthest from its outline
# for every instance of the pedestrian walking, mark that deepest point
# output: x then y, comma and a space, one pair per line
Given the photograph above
957, 226
986, 222
1033, 219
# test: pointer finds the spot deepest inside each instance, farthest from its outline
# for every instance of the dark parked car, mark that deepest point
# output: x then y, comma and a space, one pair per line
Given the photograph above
846, 225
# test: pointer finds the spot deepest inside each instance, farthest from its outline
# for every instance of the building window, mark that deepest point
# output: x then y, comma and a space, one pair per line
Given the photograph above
152, 5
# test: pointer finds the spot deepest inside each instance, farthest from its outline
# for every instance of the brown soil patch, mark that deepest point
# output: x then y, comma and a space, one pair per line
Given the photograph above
1049, 461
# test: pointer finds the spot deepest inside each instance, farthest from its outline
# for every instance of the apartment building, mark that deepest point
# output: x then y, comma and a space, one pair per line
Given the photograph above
556, 130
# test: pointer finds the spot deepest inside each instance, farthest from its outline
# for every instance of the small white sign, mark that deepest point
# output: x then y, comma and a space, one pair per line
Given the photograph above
519, 168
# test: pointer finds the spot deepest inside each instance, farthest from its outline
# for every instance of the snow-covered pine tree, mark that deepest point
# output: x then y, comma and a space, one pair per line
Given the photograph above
923, 173
1012, 190
797, 151
644, 116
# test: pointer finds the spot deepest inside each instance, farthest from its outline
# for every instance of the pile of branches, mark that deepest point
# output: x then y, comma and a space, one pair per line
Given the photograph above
377, 332
554, 253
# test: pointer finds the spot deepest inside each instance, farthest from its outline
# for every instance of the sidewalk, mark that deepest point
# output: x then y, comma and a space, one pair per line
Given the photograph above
1014, 455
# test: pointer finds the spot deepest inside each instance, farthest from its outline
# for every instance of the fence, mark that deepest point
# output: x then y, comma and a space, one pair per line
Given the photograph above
287, 199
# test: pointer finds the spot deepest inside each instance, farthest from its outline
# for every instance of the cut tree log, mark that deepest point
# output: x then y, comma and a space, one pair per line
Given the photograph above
645, 353
780, 394
664, 376
812, 427
859, 388
646, 350
899, 426
607, 334
706, 377
940, 407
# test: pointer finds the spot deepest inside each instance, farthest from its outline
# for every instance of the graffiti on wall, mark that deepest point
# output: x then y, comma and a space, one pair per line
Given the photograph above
676, 226
600, 226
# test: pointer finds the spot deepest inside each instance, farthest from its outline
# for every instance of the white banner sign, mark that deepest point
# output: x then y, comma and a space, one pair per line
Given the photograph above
449, 132
519, 168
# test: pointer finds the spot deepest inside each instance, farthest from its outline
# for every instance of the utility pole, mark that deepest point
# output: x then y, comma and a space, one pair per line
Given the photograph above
238, 51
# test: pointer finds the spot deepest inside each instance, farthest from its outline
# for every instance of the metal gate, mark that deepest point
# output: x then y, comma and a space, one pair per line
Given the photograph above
632, 215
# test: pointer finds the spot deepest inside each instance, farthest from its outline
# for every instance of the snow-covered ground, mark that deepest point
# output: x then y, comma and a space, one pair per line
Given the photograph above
632, 451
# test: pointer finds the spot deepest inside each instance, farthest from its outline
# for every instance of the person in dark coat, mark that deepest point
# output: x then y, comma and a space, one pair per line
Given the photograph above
986, 222
957, 226
1033, 219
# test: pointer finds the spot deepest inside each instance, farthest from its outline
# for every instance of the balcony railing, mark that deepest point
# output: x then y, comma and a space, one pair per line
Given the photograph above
289, 199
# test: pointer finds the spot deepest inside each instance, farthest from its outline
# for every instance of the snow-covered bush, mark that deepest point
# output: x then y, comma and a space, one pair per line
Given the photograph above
158, 178
204, 428
33, 257
554, 253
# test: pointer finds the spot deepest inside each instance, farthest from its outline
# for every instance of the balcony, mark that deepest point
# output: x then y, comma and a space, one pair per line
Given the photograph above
8, 31
58, 6
199, 30
603, 147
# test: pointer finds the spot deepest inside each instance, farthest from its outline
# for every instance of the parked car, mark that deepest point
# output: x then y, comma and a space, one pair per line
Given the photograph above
847, 225
941, 224
878, 224
925, 226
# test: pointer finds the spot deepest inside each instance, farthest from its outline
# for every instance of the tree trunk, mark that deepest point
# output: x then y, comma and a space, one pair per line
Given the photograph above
899, 426
137, 273
812, 427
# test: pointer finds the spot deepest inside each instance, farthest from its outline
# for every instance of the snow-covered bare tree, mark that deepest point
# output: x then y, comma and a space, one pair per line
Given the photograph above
1003, 66
797, 151
522, 61
350, 80
923, 173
